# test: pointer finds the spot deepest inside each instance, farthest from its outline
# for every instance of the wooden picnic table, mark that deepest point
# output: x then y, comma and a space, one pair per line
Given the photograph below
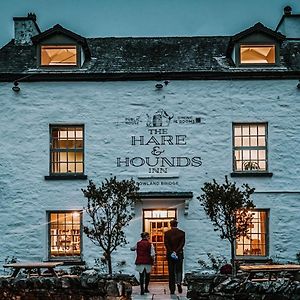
30, 266
271, 270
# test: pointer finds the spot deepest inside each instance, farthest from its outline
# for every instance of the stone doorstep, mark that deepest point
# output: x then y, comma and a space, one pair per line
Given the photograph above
158, 291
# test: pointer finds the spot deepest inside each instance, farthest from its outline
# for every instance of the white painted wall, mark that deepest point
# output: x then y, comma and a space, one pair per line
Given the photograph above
103, 107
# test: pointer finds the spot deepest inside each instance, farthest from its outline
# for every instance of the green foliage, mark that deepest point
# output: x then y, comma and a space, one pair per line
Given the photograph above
228, 207
109, 208
214, 262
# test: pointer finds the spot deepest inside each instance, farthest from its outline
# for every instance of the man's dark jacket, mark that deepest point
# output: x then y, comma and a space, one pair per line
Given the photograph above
174, 240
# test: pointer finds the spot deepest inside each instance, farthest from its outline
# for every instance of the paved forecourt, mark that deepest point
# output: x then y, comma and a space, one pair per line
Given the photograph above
158, 291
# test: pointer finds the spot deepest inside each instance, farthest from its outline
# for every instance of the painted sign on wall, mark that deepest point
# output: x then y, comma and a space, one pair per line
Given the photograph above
156, 140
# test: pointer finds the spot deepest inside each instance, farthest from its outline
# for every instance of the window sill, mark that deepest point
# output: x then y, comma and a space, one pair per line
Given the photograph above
253, 259
251, 174
66, 177
68, 261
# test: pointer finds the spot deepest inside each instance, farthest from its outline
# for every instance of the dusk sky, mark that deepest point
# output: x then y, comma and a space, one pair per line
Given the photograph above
102, 18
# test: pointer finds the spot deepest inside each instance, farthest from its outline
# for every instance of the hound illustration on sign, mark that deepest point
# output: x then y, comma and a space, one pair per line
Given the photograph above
160, 119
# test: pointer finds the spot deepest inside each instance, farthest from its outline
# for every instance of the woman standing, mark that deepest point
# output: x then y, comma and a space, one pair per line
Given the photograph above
145, 255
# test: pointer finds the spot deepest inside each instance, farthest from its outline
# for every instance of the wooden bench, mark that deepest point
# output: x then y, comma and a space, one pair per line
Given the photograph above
272, 271
30, 266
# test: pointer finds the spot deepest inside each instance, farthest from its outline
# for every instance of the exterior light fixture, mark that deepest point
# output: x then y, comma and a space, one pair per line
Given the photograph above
76, 214
298, 85
15, 88
166, 82
159, 86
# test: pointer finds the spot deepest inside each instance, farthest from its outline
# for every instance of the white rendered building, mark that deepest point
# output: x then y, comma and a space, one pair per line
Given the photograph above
171, 113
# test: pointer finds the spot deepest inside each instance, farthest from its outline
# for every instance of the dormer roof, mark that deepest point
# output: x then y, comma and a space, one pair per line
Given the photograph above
258, 27
58, 29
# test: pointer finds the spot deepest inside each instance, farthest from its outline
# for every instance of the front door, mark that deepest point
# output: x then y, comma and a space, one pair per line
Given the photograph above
157, 222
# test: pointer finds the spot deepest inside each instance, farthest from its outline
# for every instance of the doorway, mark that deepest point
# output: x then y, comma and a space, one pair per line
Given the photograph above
157, 222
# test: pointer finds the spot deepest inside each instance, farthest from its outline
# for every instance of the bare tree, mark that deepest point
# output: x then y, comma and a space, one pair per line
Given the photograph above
109, 208
229, 209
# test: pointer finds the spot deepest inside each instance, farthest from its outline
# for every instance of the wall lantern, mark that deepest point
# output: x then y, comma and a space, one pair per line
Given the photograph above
298, 85
16, 88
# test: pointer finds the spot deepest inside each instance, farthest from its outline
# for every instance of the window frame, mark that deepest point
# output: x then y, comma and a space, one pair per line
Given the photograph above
258, 45
267, 238
66, 175
255, 172
67, 44
77, 258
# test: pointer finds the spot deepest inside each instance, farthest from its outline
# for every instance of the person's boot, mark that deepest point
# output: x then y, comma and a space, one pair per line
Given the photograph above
142, 283
147, 280
179, 287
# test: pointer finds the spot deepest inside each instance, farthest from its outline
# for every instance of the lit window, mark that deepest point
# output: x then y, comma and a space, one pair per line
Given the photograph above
66, 150
257, 54
255, 243
58, 56
250, 147
65, 234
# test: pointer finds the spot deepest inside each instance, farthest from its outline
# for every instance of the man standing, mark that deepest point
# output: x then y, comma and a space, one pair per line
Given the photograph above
174, 242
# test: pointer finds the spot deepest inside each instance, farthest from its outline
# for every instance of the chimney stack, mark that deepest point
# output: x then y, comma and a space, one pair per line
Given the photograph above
287, 11
25, 29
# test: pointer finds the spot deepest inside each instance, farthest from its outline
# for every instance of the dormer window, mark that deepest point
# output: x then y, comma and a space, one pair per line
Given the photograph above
257, 54
257, 46
61, 55
59, 47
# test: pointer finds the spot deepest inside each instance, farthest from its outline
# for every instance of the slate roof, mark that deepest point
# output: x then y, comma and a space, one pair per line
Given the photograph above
147, 58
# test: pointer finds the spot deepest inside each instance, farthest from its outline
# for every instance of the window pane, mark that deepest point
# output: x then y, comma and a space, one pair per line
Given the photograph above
147, 213
63, 168
246, 141
79, 156
239, 165
171, 214
58, 56
246, 154
253, 130
71, 156
69, 139
262, 154
256, 244
253, 141
261, 129
261, 141
250, 155
262, 165
71, 168
245, 130
253, 154
65, 236
79, 167
257, 54
237, 130
237, 142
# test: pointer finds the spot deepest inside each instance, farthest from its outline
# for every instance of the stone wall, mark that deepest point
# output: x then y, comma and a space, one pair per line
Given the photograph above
68, 287
216, 286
